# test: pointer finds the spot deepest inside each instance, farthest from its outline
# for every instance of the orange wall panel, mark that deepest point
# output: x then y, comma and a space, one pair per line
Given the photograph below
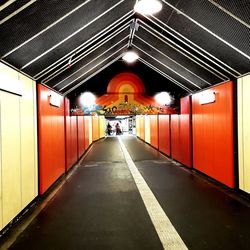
80, 133
95, 128
73, 135
213, 151
181, 147
185, 155
154, 139
142, 127
175, 137
164, 134
51, 139
67, 134
86, 131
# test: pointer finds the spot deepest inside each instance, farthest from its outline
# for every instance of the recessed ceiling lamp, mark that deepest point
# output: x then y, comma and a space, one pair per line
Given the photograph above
147, 7
130, 56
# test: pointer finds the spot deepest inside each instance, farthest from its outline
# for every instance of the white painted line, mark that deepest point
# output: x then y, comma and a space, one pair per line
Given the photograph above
169, 237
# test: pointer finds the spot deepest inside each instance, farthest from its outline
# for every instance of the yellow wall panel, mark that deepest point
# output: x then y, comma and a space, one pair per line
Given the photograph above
147, 128
9, 80
18, 145
102, 126
95, 128
28, 142
11, 172
244, 133
1, 196
138, 129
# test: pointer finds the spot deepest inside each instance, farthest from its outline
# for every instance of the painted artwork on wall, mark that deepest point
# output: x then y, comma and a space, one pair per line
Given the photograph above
125, 95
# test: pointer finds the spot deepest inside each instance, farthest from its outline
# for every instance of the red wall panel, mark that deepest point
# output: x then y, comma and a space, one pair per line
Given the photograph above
73, 135
80, 133
185, 155
95, 128
67, 135
86, 131
51, 139
164, 134
181, 134
175, 137
213, 135
154, 131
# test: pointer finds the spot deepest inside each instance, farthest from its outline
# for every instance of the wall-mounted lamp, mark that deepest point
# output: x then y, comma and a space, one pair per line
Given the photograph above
163, 98
148, 7
87, 99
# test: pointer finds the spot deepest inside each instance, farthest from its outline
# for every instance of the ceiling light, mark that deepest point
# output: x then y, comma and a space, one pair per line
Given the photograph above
130, 56
163, 98
148, 7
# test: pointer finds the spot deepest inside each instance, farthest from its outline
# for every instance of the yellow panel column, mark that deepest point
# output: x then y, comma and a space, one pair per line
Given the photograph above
147, 129
101, 126
28, 142
244, 133
11, 157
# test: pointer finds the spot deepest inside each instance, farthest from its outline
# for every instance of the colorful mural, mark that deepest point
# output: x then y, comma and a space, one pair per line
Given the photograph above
125, 96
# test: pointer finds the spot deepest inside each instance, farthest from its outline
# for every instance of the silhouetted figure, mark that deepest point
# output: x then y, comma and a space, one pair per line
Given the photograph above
118, 129
109, 129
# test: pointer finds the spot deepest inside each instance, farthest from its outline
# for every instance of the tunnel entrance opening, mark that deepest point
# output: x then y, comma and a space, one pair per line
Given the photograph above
120, 125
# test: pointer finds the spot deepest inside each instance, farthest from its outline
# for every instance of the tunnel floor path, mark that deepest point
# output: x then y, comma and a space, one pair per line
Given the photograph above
100, 207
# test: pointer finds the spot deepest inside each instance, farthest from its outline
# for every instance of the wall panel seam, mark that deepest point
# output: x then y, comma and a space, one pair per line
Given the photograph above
242, 133
35, 140
20, 142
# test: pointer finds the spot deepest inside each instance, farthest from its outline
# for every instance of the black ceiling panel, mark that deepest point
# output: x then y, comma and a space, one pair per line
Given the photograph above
35, 48
120, 38
218, 22
177, 55
3, 2
171, 64
62, 43
240, 9
70, 25
90, 47
32, 20
93, 61
162, 67
7, 11
101, 65
209, 43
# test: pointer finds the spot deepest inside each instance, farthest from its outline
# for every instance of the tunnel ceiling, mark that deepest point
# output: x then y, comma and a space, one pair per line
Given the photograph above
62, 44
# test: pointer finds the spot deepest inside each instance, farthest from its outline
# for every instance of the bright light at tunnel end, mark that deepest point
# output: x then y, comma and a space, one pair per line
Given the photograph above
148, 7
163, 98
130, 57
87, 99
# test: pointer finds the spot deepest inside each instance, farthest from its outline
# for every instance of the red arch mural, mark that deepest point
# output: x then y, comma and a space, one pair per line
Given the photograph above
126, 95
126, 78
